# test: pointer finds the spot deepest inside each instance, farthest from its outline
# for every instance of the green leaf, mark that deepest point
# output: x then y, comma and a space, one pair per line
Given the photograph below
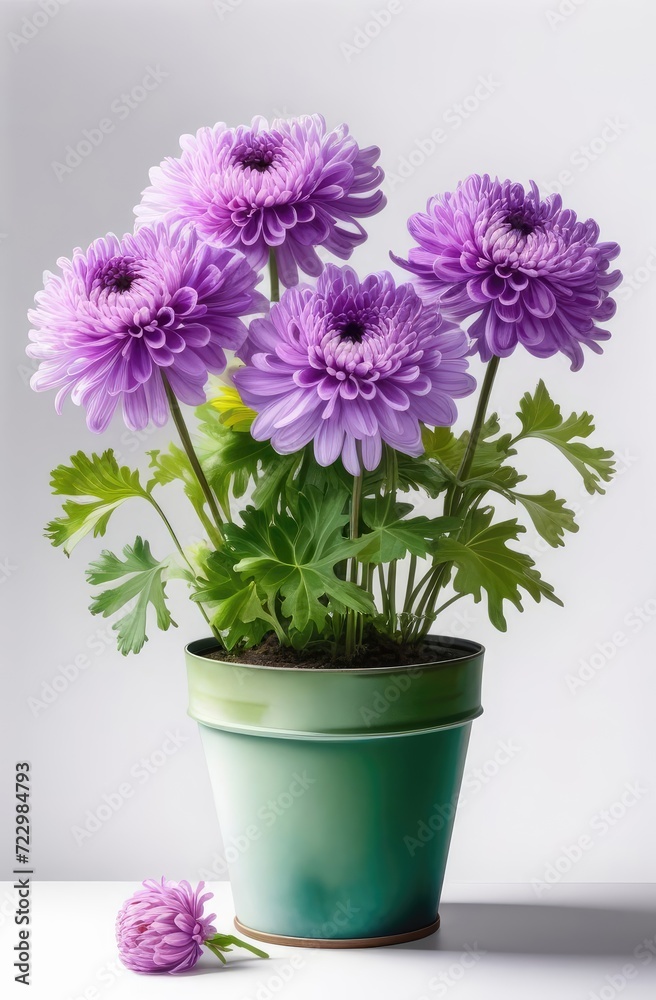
233, 459
283, 477
276, 479
484, 561
392, 534
301, 640
242, 606
541, 418
294, 554
502, 480
491, 452
241, 616
173, 465
230, 459
488, 470
105, 486
422, 474
142, 579
549, 515
238, 609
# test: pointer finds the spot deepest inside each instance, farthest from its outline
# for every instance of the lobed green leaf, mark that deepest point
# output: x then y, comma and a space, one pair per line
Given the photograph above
392, 534
105, 486
142, 577
541, 418
484, 561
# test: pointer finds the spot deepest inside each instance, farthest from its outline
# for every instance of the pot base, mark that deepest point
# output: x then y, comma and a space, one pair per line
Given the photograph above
363, 942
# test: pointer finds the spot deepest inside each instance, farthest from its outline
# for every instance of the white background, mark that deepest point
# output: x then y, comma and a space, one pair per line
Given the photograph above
554, 84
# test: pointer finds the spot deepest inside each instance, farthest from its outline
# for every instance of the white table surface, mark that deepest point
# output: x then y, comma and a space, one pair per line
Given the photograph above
582, 941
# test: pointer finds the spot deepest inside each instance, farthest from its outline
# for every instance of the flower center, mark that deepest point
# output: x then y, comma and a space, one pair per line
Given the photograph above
353, 331
257, 152
116, 275
121, 282
258, 160
520, 224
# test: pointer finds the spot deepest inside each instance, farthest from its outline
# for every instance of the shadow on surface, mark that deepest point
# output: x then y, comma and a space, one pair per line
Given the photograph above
521, 929
209, 965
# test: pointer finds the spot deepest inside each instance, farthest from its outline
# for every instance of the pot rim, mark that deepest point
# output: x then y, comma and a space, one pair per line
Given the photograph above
343, 702
474, 648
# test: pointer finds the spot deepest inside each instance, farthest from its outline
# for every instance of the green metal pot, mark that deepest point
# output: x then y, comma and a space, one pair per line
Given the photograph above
336, 790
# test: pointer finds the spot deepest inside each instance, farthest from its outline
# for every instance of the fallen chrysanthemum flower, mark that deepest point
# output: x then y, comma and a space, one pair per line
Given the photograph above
162, 928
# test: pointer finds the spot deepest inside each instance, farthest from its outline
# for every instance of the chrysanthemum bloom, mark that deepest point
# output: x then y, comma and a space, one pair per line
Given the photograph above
284, 185
535, 274
127, 311
162, 928
352, 362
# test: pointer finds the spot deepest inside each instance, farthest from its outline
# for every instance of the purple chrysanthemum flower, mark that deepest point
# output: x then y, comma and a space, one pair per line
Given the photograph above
120, 315
352, 362
284, 185
162, 927
535, 274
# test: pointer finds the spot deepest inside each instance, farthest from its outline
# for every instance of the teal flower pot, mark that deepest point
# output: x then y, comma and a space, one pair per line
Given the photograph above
336, 790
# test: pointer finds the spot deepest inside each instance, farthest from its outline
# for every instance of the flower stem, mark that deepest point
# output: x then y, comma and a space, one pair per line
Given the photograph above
447, 604
430, 596
452, 506
412, 572
171, 532
391, 590
178, 420
356, 501
224, 942
417, 590
273, 274
215, 951
183, 556
383, 590
391, 483
453, 502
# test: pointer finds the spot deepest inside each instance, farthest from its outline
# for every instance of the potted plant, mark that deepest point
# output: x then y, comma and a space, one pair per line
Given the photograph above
334, 721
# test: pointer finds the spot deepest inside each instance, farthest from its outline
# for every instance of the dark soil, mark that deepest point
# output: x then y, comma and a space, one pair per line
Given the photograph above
377, 651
